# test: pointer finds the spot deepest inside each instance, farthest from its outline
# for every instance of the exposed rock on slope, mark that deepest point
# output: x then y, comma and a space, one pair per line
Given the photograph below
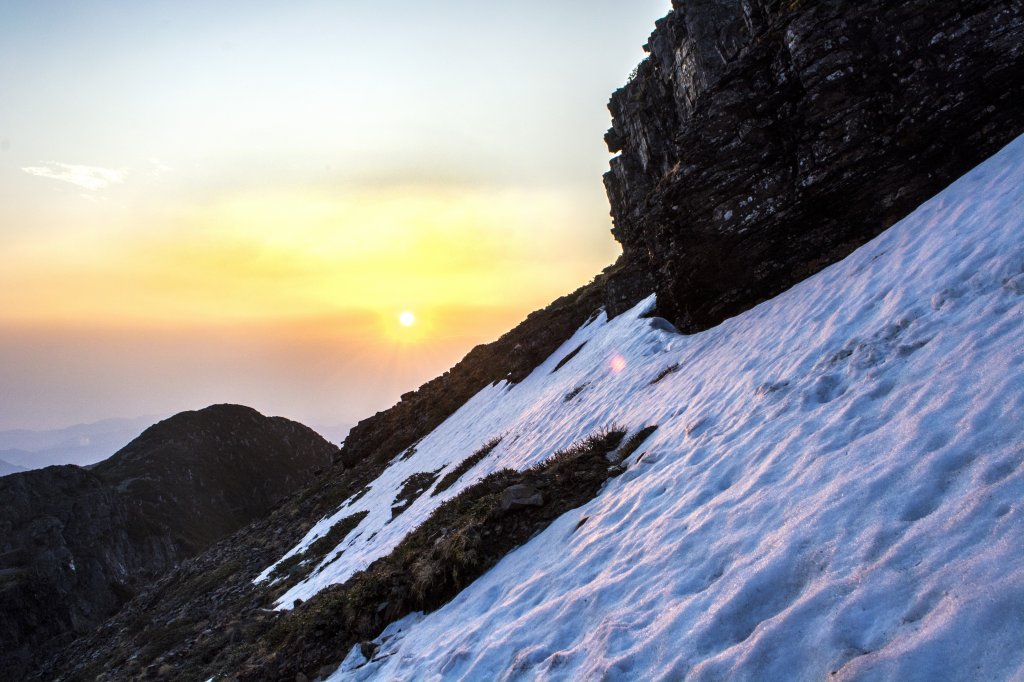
76, 543
765, 139
71, 551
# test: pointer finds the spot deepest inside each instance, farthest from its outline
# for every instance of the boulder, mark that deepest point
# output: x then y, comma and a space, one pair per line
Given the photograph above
519, 496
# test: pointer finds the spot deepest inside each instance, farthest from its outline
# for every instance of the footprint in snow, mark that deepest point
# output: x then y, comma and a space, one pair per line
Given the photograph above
826, 389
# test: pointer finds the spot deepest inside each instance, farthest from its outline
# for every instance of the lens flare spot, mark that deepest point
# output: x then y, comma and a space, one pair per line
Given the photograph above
407, 319
618, 363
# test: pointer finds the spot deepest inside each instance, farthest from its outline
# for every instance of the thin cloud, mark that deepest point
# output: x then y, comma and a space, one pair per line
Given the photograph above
92, 178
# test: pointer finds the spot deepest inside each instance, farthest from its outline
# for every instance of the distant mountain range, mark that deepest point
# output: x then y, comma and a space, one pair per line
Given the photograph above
8, 468
81, 444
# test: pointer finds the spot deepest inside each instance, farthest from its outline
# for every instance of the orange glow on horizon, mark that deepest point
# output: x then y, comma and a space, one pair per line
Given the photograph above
289, 301
303, 254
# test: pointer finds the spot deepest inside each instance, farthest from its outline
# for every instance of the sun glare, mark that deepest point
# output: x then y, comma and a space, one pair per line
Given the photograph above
407, 319
618, 363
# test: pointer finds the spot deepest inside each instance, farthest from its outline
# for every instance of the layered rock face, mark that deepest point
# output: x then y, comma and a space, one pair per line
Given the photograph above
762, 140
76, 543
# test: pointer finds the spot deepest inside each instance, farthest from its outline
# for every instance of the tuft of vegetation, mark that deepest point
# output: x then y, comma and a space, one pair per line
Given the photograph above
603, 441
294, 568
358, 496
410, 451
635, 441
636, 70
204, 582
567, 358
675, 367
465, 465
575, 392
412, 488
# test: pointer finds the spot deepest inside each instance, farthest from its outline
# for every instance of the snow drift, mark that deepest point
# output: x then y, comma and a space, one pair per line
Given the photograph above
834, 490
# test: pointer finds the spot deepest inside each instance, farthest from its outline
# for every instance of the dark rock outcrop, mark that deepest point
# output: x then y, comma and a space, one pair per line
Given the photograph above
71, 552
76, 543
518, 496
762, 140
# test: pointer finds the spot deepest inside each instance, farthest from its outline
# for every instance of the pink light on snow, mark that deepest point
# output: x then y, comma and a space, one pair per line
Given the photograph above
618, 363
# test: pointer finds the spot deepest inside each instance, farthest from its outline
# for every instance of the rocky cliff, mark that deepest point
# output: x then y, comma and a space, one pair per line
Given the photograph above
762, 140
72, 550
76, 543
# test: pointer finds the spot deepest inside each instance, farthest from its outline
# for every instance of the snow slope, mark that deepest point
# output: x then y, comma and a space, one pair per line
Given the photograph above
835, 489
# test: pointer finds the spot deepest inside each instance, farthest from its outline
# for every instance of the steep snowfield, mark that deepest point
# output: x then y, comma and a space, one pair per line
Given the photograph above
835, 489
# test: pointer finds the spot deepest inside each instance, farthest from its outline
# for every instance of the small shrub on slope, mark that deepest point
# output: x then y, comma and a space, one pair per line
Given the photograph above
412, 488
675, 367
465, 465
567, 358
604, 441
635, 441
575, 392
294, 568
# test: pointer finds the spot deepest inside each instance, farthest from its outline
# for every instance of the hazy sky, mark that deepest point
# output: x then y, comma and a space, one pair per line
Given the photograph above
224, 201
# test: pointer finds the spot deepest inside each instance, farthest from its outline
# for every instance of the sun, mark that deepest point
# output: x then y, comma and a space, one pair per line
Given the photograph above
407, 319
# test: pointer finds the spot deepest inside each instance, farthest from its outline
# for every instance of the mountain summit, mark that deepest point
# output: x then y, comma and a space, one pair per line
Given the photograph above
78, 543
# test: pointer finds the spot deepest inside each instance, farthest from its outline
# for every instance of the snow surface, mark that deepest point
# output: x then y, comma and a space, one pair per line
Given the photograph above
834, 491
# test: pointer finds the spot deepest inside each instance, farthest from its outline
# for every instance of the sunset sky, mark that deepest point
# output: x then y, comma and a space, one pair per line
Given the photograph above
233, 202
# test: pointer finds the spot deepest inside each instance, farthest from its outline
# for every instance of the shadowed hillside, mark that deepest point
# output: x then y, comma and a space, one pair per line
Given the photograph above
76, 544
